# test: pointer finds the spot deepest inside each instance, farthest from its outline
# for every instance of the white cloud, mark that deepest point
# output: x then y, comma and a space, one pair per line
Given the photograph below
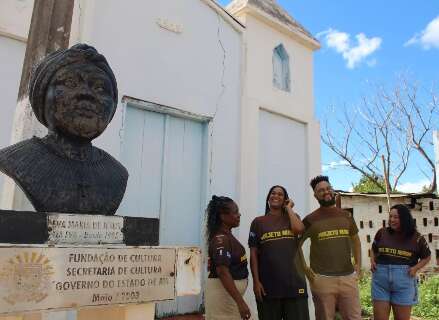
413, 186
334, 165
340, 42
427, 38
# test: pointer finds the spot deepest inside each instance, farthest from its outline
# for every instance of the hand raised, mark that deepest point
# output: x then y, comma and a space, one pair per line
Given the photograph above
289, 204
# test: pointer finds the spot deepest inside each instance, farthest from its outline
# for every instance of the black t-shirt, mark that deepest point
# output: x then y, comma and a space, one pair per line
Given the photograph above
226, 250
330, 230
280, 270
395, 248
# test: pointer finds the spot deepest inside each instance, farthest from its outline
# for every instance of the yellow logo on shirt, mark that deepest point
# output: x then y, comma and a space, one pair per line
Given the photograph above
244, 258
395, 252
332, 234
276, 235
301, 290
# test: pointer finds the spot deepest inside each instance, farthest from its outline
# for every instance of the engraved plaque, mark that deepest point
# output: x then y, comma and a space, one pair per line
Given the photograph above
40, 277
84, 229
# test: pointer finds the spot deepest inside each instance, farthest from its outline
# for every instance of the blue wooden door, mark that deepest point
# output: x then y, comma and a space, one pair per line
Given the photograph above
165, 157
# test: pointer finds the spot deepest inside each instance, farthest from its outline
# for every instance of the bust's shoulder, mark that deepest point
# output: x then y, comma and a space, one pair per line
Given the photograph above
109, 160
20, 157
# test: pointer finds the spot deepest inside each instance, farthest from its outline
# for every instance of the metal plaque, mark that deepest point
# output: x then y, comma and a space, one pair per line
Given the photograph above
84, 229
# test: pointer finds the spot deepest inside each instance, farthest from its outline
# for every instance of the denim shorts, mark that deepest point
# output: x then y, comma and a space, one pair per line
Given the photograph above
394, 284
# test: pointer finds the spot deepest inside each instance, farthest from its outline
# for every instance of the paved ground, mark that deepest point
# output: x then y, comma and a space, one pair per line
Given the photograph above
188, 317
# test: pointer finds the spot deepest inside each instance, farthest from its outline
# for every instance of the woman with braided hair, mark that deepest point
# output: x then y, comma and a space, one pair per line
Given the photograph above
228, 272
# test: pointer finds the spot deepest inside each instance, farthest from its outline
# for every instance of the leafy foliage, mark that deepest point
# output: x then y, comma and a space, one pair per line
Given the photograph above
365, 295
428, 307
368, 185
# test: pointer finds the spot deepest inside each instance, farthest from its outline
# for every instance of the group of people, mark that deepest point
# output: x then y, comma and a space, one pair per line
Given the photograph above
279, 268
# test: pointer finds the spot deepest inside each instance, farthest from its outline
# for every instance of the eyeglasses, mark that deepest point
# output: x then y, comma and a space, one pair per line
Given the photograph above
324, 190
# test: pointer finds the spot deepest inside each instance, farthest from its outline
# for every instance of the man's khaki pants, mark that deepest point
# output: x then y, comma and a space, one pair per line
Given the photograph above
336, 292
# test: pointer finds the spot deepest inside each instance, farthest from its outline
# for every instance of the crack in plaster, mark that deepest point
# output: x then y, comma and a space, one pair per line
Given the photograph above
217, 105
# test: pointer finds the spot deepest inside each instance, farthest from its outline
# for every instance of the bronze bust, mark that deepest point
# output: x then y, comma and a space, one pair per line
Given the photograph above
73, 93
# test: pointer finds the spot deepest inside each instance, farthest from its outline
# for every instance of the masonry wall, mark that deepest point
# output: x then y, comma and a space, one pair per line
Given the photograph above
371, 214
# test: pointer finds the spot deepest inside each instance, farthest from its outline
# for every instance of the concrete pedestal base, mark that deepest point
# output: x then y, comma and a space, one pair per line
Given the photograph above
134, 312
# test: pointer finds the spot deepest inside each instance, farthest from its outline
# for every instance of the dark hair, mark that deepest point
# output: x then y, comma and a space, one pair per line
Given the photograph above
217, 206
408, 226
267, 206
316, 180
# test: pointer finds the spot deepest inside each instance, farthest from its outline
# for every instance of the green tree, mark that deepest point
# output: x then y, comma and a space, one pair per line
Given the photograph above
366, 184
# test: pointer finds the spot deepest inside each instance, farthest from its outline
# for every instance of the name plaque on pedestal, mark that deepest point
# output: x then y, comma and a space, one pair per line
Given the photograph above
85, 229
63, 228
37, 277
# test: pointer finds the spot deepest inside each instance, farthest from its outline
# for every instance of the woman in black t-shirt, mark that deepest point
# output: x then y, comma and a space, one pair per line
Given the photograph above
398, 253
278, 279
228, 272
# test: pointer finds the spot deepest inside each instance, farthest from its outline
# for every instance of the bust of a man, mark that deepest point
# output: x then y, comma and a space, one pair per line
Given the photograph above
73, 93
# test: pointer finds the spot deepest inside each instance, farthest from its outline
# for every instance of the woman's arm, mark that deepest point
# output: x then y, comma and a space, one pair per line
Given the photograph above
373, 264
229, 284
413, 270
258, 288
308, 271
356, 245
296, 224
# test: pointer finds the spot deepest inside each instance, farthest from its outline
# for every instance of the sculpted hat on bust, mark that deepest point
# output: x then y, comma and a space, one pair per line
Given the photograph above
47, 68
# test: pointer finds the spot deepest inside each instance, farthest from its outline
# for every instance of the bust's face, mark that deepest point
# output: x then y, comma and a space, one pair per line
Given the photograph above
79, 101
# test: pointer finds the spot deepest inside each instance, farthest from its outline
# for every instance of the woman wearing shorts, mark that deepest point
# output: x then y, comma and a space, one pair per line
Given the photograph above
228, 271
398, 253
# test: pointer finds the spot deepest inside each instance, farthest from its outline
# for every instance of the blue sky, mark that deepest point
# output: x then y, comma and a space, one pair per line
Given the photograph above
366, 42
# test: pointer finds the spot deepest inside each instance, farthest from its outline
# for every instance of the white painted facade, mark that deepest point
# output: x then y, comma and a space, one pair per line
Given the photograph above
188, 69
371, 213
280, 137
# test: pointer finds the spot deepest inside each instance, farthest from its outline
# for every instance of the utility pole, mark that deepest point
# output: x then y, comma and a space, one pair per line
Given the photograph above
49, 31
386, 181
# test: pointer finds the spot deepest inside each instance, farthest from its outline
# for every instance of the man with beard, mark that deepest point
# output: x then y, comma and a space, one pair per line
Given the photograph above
334, 237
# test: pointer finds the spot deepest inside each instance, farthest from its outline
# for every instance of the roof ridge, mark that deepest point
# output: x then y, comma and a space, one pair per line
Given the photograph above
272, 8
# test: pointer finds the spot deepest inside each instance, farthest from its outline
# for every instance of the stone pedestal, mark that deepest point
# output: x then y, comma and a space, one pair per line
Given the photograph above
77, 267
135, 312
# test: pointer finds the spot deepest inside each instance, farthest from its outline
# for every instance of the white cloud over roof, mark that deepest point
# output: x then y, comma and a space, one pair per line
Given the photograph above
427, 38
353, 54
334, 165
413, 187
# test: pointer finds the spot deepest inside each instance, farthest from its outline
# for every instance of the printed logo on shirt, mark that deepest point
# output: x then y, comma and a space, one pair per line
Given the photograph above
395, 252
333, 234
277, 235
220, 238
301, 291
243, 258
252, 234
